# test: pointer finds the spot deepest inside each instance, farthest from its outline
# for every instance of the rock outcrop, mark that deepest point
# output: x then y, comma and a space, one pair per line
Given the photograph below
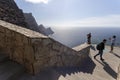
45, 31
49, 31
30, 20
32, 24
10, 12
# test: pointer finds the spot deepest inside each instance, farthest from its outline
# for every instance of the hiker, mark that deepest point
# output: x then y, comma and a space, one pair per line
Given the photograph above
113, 39
89, 38
100, 47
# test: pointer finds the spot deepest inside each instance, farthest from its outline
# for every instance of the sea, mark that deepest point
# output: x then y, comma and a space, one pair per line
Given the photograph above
75, 36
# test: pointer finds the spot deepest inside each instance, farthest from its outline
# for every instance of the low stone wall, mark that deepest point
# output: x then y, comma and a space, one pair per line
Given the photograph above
83, 51
49, 53
36, 51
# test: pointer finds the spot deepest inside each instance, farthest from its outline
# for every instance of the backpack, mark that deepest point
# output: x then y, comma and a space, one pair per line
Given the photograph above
98, 46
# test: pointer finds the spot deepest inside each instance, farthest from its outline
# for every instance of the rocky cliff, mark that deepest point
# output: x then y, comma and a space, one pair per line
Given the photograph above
30, 20
49, 31
32, 24
46, 31
11, 13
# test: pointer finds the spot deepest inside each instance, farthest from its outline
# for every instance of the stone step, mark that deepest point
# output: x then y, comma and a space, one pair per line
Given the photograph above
62, 78
3, 58
70, 77
82, 76
10, 70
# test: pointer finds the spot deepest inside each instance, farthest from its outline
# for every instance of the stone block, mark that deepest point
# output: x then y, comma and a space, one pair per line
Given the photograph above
53, 53
53, 61
2, 40
41, 51
29, 67
46, 41
7, 50
38, 67
56, 46
26, 40
18, 39
18, 54
2, 29
29, 54
8, 41
8, 33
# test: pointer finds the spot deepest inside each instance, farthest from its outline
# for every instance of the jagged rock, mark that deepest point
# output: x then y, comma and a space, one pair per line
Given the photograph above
30, 20
10, 12
46, 31
32, 24
42, 29
49, 31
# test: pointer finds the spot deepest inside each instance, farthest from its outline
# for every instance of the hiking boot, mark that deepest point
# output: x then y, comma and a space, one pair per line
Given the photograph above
102, 59
94, 57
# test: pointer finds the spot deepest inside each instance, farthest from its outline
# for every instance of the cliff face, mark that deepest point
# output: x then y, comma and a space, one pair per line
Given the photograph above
30, 20
11, 13
32, 24
46, 31
49, 31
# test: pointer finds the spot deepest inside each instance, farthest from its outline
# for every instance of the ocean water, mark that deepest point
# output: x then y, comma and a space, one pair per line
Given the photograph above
72, 37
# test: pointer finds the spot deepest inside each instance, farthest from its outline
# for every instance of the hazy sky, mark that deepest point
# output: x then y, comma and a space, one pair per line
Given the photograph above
73, 12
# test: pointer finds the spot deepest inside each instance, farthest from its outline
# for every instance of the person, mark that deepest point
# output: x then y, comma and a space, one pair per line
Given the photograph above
100, 50
89, 38
113, 39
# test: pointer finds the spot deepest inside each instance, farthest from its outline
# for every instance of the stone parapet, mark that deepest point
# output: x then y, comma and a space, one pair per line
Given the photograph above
36, 51
83, 50
50, 53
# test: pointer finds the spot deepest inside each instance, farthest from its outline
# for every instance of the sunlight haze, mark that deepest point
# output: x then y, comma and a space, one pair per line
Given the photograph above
73, 13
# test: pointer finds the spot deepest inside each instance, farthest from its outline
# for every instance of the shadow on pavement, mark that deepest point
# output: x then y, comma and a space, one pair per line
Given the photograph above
108, 69
116, 55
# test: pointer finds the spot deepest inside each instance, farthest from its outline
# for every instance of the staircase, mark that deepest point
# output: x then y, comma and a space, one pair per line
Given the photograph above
9, 70
92, 69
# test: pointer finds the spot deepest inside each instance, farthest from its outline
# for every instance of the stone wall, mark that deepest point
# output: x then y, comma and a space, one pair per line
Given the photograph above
49, 53
36, 51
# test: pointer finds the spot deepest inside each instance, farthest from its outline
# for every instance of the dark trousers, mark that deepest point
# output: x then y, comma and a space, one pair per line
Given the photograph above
100, 53
89, 41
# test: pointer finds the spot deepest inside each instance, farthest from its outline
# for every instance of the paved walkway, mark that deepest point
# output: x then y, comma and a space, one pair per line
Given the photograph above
107, 70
